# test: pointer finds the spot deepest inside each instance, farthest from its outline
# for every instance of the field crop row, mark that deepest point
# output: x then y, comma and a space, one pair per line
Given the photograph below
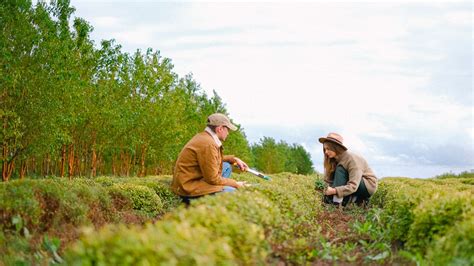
139, 221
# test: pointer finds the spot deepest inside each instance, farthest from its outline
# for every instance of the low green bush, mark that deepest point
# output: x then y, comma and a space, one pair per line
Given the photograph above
169, 198
464, 174
399, 197
164, 243
456, 247
298, 204
143, 198
106, 181
159, 184
47, 203
436, 215
254, 207
246, 239
277, 220
34, 209
65, 202
19, 202
421, 213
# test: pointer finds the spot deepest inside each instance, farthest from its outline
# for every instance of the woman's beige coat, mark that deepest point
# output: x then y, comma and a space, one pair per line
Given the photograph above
358, 169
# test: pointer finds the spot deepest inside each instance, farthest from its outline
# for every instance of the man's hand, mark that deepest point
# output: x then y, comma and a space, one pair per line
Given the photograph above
241, 164
242, 184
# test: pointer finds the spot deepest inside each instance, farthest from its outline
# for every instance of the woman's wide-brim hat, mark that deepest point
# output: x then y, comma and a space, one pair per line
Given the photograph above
335, 138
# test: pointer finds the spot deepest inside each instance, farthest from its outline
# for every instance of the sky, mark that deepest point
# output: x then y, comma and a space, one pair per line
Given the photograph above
394, 78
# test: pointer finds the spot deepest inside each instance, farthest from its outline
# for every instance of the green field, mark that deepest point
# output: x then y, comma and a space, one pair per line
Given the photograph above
139, 221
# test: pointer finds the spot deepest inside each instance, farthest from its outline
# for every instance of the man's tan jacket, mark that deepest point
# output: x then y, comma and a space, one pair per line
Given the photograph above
198, 170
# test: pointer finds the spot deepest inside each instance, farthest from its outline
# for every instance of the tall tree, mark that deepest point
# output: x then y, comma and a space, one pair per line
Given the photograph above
67, 108
19, 79
301, 159
268, 156
272, 157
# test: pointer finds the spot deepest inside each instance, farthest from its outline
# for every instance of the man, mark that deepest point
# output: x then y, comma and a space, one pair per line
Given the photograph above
201, 167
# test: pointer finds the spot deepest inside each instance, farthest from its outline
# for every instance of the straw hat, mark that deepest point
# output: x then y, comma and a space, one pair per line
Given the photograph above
335, 138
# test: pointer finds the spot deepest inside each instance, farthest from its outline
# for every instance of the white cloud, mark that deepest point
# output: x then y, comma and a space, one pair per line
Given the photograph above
357, 68
106, 22
460, 18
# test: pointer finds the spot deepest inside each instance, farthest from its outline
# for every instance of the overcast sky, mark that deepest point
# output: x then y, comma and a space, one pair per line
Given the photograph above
393, 78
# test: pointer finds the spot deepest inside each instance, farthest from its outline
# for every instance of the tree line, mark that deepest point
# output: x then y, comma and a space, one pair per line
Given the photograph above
68, 108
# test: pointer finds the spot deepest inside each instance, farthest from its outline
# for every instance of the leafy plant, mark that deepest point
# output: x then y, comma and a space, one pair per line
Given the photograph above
143, 198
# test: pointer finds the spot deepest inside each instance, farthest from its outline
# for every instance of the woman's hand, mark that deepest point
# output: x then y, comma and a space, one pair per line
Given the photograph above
330, 191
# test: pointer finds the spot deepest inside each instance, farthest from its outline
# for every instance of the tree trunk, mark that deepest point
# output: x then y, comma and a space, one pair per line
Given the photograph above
46, 163
121, 163
127, 164
23, 167
94, 162
100, 166
71, 161
142, 161
78, 166
33, 165
63, 159
114, 168
94, 156
124, 163
134, 163
7, 166
4, 162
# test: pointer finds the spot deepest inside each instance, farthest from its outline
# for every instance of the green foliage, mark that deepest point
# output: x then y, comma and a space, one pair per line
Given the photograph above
293, 212
319, 184
18, 200
167, 243
456, 247
106, 180
423, 214
398, 199
143, 198
61, 206
52, 246
301, 160
62, 99
271, 157
169, 199
237, 144
268, 222
244, 224
464, 174
254, 207
433, 217
33, 209
160, 186
46, 204
246, 239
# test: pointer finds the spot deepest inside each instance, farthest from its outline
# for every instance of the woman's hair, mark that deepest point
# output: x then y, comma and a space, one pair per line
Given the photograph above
330, 163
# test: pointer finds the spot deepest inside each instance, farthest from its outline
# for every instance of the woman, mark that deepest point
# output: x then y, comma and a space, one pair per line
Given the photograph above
348, 175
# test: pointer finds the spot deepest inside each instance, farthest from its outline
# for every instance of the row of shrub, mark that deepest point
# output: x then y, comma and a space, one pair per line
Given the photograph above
432, 218
39, 216
269, 221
